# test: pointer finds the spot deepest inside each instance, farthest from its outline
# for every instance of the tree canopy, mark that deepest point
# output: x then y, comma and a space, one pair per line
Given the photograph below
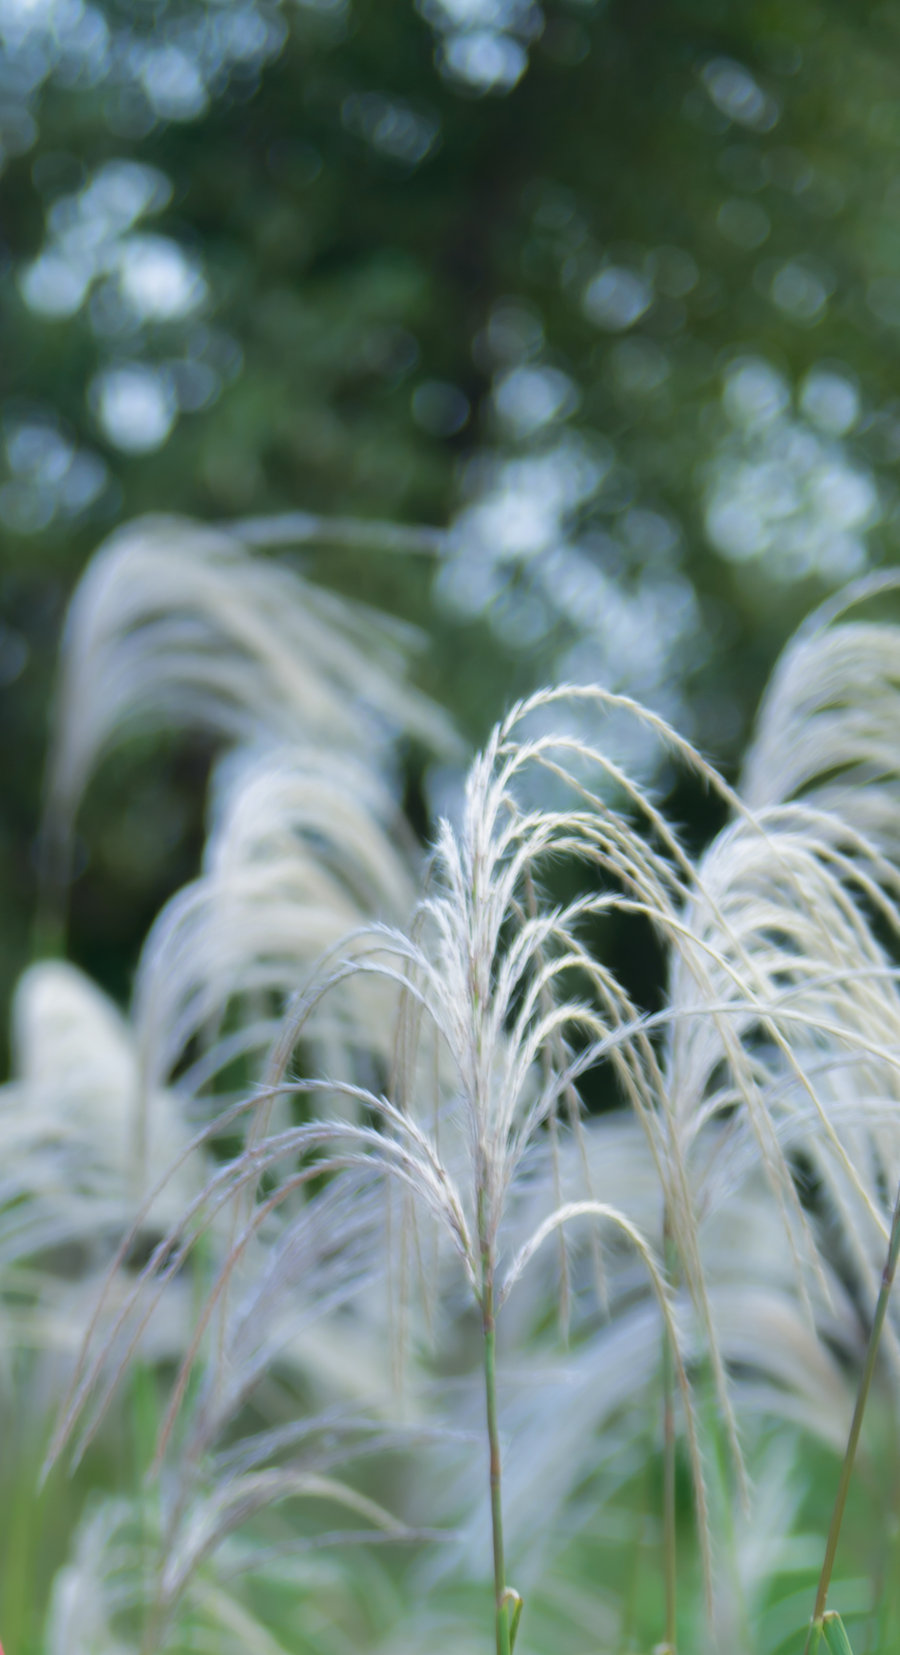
610, 290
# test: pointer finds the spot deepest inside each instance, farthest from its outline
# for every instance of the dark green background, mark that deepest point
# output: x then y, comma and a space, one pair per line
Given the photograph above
342, 277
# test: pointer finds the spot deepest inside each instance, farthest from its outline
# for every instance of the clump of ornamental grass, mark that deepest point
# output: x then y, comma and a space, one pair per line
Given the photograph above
517, 1009
416, 1161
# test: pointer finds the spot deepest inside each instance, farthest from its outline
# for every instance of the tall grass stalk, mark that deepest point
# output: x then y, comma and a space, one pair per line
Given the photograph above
862, 1397
670, 1524
489, 1329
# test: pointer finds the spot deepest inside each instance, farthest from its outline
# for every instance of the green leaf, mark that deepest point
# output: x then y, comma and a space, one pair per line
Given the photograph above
835, 1634
514, 1603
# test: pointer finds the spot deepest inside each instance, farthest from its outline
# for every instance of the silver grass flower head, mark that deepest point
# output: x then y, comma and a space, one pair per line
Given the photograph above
790, 974
828, 727
70, 1113
305, 846
499, 983
178, 625
827, 738
69, 1126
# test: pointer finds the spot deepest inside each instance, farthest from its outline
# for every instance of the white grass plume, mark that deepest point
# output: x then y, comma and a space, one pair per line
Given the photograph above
175, 624
828, 726
305, 847
825, 752
68, 1121
780, 926
77, 1078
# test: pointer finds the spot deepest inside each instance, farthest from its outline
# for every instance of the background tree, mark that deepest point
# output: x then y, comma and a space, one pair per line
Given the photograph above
612, 288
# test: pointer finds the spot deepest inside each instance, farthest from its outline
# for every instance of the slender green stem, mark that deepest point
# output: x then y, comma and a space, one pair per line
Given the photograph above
669, 1533
670, 1552
50, 921
862, 1395
501, 1602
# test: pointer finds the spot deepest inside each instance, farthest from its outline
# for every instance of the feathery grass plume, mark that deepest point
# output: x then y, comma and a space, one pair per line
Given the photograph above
782, 917
738, 983
828, 725
70, 1181
825, 1039
177, 624
827, 738
305, 846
